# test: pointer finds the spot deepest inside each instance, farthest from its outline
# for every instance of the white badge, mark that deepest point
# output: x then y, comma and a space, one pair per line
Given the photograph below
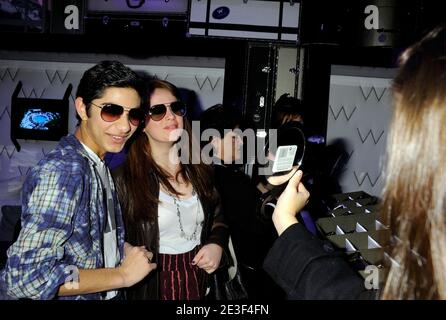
284, 158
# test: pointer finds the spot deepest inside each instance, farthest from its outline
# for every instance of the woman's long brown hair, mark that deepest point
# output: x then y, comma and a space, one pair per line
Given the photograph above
143, 175
414, 200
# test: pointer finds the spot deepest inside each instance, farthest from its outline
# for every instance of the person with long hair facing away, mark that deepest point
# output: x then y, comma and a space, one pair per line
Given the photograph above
170, 206
414, 198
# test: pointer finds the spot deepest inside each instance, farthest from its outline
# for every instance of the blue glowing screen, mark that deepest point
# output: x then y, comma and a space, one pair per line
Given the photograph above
37, 119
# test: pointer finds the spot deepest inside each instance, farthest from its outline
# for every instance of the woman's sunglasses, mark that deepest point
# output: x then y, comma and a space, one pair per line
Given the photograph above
111, 112
158, 111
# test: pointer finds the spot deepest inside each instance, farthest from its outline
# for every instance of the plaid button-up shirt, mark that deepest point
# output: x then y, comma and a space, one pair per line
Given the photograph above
63, 221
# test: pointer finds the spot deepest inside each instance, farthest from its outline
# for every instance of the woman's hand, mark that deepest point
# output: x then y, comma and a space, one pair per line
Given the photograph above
291, 201
208, 258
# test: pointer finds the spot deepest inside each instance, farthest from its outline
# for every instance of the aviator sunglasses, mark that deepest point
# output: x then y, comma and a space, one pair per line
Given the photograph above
158, 111
111, 112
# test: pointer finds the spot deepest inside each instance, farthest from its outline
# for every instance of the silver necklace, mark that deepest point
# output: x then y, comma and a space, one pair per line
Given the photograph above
183, 234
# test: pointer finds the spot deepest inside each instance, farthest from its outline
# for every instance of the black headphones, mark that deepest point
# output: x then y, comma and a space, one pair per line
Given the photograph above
289, 134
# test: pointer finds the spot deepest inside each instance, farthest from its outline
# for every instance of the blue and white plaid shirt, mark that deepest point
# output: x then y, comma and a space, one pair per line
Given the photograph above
63, 221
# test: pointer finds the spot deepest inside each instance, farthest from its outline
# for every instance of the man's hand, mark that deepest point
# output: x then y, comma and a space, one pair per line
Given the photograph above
136, 265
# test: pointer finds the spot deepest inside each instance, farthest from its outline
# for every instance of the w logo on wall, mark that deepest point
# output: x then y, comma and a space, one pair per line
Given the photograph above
342, 110
363, 176
370, 134
9, 152
24, 170
367, 95
33, 93
157, 76
201, 83
5, 112
56, 74
8, 73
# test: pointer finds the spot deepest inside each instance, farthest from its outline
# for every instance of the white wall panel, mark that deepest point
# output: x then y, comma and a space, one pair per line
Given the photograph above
359, 115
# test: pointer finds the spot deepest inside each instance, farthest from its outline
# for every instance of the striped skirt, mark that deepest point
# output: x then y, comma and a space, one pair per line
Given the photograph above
179, 279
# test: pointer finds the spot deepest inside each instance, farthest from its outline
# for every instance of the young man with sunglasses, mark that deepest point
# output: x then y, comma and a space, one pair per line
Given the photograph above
71, 245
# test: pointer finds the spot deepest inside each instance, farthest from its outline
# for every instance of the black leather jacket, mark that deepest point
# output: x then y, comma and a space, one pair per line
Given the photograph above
146, 233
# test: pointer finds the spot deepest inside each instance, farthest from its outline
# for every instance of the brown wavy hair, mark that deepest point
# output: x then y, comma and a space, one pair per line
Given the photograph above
414, 199
143, 175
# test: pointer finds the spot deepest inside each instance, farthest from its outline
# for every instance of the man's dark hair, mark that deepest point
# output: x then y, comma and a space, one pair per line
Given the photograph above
286, 105
104, 75
220, 117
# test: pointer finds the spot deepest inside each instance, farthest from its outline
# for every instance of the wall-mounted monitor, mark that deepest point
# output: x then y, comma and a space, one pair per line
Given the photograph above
38, 119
